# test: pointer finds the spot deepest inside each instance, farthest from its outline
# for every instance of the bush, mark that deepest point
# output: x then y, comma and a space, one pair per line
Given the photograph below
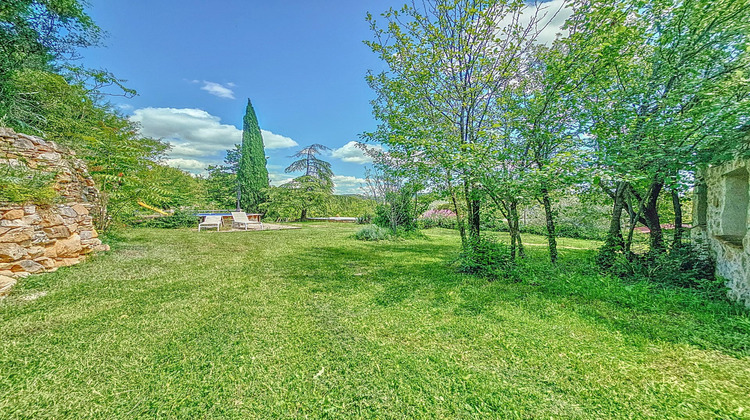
364, 219
178, 219
372, 233
489, 258
23, 185
682, 267
398, 212
437, 218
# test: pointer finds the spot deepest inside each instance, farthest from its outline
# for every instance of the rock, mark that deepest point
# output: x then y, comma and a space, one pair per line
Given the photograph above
47, 263
80, 209
35, 251
28, 266
101, 248
31, 219
51, 219
10, 252
29, 209
18, 235
50, 252
67, 211
87, 234
14, 214
5, 285
6, 273
57, 232
70, 247
67, 262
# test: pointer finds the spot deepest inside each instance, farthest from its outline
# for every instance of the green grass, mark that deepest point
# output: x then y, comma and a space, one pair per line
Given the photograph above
312, 323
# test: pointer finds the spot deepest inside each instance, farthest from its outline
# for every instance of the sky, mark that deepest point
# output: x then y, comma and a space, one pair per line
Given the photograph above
195, 63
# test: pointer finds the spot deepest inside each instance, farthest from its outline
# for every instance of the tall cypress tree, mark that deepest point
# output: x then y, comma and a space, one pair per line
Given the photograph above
252, 174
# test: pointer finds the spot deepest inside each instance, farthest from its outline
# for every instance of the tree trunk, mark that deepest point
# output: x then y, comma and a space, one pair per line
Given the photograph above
459, 219
303, 216
651, 214
472, 206
551, 234
678, 231
614, 234
516, 229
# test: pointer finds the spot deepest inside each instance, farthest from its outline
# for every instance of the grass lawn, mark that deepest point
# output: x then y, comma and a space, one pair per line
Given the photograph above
312, 323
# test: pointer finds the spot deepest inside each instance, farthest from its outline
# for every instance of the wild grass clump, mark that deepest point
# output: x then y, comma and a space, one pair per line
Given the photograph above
178, 219
372, 233
488, 258
682, 267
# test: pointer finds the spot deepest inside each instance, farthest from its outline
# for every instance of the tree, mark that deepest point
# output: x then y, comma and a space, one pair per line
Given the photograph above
222, 186
38, 34
252, 174
318, 177
672, 95
447, 64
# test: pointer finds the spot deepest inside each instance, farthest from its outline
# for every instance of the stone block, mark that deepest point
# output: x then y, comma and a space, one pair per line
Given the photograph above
67, 211
6, 283
29, 209
51, 219
13, 214
88, 234
35, 251
12, 223
10, 252
57, 232
67, 262
50, 252
101, 248
31, 219
80, 209
47, 263
20, 235
70, 247
28, 266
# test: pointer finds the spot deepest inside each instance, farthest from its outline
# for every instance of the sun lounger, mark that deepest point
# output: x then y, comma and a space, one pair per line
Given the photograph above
210, 222
240, 220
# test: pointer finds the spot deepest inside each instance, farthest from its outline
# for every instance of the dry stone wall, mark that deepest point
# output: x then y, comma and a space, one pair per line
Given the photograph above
41, 238
722, 214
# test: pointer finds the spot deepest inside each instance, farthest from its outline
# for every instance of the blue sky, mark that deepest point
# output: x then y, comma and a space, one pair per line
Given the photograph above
195, 63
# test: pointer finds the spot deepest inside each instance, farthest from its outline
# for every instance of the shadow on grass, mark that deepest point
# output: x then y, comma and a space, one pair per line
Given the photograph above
397, 272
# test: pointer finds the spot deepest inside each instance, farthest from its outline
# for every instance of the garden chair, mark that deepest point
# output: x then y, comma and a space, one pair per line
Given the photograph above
240, 219
210, 222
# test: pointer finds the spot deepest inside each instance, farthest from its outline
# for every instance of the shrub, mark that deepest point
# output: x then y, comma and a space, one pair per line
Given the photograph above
489, 258
372, 233
437, 218
23, 185
398, 212
364, 219
179, 219
682, 267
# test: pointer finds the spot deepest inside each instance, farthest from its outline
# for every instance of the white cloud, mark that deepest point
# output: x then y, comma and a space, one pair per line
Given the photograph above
348, 184
217, 89
276, 141
196, 135
279, 178
350, 152
190, 165
551, 17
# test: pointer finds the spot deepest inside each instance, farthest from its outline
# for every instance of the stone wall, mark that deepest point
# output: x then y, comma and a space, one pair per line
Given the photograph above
722, 214
41, 238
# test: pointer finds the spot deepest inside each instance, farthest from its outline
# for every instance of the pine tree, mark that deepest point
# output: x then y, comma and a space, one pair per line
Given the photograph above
252, 174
